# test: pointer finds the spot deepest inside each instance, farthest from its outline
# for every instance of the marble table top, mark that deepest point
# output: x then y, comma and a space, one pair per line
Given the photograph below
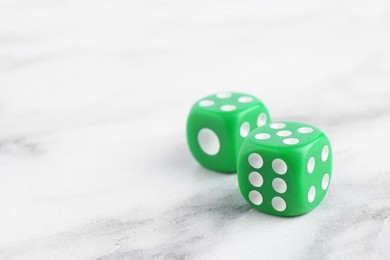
94, 97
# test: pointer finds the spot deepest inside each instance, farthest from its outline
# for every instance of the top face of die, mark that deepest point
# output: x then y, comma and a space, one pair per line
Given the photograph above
227, 102
285, 134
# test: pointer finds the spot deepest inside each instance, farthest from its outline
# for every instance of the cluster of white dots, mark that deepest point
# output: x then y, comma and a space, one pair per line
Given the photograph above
311, 163
245, 127
278, 184
284, 133
225, 95
208, 140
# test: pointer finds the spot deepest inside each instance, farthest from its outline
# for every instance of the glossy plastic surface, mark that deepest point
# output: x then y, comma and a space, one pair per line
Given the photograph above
217, 126
285, 168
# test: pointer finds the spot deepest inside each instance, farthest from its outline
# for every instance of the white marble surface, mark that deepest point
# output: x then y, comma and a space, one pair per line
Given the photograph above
93, 102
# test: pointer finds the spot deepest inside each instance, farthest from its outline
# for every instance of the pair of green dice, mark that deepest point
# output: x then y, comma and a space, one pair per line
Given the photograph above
283, 168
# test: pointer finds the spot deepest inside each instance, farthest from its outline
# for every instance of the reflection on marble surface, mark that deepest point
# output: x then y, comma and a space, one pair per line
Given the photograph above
93, 102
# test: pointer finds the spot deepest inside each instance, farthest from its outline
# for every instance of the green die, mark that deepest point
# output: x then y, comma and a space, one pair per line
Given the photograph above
217, 126
285, 168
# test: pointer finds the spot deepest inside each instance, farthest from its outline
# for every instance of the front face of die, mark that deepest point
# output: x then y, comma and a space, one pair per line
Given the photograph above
285, 168
217, 126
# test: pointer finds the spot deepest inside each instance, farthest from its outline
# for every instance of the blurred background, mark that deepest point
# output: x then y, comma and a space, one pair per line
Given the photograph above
94, 97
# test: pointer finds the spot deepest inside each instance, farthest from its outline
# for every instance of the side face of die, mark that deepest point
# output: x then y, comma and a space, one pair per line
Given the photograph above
284, 169
217, 126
